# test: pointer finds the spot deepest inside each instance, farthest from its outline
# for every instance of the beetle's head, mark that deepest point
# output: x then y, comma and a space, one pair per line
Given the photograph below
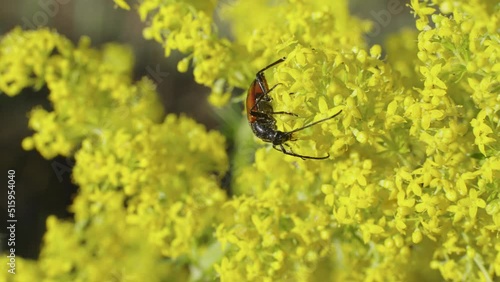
282, 137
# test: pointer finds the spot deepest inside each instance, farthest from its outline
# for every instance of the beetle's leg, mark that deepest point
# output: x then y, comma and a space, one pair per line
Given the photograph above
291, 153
284, 113
265, 94
272, 113
259, 77
261, 115
280, 60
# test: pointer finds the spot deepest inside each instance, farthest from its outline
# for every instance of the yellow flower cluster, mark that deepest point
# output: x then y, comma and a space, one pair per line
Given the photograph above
83, 85
147, 190
142, 198
187, 26
222, 64
410, 192
275, 231
168, 177
417, 165
92, 251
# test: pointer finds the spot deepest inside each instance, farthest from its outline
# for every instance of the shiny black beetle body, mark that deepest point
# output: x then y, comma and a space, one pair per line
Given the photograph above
260, 115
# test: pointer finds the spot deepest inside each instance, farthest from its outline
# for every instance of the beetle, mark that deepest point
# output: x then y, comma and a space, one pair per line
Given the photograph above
260, 115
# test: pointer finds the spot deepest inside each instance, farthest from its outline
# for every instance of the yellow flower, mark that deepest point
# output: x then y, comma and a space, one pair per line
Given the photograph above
467, 206
413, 155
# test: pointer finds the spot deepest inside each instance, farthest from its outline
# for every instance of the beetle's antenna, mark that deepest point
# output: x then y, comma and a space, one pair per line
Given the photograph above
314, 123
